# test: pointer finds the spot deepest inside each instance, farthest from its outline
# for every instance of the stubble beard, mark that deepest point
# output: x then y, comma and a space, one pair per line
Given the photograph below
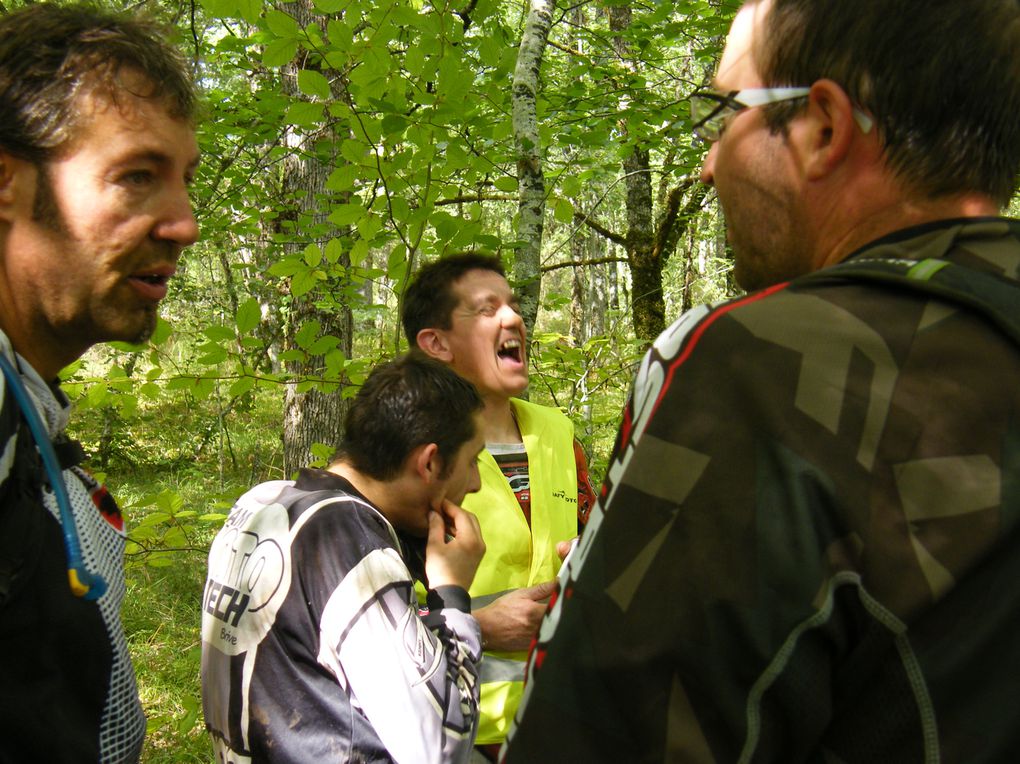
46, 212
767, 241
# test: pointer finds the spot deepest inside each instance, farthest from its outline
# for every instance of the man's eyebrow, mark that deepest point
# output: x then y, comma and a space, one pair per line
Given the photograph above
484, 299
155, 156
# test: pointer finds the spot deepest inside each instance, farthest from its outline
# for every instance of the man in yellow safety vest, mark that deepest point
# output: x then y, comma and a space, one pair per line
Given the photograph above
535, 488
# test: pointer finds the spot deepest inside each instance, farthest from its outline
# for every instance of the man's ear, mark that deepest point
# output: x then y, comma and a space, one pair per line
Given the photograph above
827, 132
428, 464
433, 343
15, 181
9, 167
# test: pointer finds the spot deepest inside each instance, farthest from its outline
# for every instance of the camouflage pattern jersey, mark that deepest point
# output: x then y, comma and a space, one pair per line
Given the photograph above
806, 547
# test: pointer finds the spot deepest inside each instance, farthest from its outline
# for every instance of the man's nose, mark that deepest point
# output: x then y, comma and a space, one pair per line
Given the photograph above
177, 222
509, 316
708, 166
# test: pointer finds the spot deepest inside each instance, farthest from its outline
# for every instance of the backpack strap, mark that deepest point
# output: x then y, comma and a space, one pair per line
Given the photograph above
21, 510
84, 583
996, 298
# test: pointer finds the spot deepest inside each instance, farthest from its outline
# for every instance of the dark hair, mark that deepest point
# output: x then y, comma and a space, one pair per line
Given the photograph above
51, 55
940, 77
405, 403
429, 300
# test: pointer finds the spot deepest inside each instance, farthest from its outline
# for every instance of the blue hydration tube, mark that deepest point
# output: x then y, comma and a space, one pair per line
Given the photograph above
89, 586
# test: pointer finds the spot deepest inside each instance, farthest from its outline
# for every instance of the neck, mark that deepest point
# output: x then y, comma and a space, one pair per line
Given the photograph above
881, 211
34, 341
35, 351
498, 421
385, 495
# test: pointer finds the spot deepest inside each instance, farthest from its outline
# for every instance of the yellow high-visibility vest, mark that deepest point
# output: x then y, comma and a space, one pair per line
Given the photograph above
516, 556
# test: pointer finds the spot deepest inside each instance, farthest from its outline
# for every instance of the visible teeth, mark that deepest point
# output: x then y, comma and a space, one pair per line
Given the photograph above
510, 345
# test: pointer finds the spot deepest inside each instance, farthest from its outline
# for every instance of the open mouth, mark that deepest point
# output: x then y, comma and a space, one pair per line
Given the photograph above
151, 285
511, 350
155, 279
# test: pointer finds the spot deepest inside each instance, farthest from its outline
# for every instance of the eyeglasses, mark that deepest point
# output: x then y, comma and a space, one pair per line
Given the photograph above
710, 110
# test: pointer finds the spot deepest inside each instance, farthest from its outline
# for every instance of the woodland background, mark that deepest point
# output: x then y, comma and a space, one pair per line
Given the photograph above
345, 142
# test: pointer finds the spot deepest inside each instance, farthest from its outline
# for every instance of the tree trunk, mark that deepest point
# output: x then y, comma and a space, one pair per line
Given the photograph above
648, 309
530, 179
312, 413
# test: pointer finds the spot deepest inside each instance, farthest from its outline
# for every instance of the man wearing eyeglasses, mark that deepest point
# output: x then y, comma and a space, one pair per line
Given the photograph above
808, 541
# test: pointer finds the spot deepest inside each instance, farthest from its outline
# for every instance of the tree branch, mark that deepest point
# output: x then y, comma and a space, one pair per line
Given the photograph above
476, 198
583, 219
580, 263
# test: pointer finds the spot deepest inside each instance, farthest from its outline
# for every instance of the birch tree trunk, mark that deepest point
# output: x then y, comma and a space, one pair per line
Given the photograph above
531, 181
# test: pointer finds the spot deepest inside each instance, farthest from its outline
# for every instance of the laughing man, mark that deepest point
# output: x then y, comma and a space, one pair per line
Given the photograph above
535, 487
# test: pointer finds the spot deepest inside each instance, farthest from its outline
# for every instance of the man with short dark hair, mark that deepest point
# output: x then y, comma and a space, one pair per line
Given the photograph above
535, 487
97, 148
313, 649
810, 533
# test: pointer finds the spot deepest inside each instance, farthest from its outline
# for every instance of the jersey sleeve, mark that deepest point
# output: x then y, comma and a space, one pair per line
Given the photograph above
417, 685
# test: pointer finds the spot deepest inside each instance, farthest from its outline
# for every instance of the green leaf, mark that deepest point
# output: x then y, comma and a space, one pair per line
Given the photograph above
347, 214
214, 354
563, 211
280, 52
369, 226
323, 345
359, 252
188, 721
394, 124
312, 255
249, 315
506, 183
242, 386
219, 333
286, 267
305, 114
342, 178
313, 83
334, 251
281, 24
128, 347
353, 151
212, 517
203, 388
329, 7
303, 283
307, 333
570, 186
96, 396
399, 208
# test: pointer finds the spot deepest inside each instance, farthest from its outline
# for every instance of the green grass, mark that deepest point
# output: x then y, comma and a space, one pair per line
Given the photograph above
162, 622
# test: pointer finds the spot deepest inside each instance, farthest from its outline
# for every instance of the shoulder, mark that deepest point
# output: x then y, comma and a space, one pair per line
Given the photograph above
534, 416
283, 511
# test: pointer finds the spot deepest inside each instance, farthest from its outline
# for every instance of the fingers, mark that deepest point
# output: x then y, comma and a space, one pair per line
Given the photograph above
461, 521
563, 548
437, 528
541, 591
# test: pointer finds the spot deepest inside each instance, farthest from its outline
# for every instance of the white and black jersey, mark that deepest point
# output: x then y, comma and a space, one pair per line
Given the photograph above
67, 687
313, 647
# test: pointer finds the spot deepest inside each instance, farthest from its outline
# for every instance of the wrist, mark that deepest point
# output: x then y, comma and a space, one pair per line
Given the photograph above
448, 596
